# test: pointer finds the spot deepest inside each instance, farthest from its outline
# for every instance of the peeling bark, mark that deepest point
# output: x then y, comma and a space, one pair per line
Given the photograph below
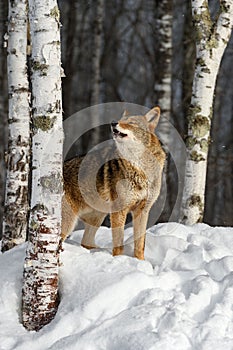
3, 108
40, 296
211, 40
40, 288
18, 154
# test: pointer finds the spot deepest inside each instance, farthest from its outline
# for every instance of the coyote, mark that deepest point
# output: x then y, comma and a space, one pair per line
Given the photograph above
116, 180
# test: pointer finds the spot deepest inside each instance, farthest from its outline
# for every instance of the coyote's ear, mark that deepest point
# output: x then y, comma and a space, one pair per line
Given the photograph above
153, 117
125, 113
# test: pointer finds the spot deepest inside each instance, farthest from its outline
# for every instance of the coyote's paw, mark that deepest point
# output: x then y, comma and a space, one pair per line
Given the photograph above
89, 246
139, 255
118, 251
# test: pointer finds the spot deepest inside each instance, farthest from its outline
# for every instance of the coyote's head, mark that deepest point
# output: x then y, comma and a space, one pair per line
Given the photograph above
135, 133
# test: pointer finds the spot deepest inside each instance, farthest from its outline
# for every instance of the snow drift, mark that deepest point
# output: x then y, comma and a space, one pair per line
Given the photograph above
181, 297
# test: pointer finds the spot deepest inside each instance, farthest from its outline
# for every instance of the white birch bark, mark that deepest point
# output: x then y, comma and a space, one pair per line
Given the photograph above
40, 289
17, 161
3, 107
211, 40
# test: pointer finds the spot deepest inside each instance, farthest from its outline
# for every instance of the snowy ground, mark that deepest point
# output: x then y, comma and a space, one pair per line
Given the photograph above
181, 297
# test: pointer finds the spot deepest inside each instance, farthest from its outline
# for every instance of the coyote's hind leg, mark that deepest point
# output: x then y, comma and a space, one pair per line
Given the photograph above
69, 218
92, 222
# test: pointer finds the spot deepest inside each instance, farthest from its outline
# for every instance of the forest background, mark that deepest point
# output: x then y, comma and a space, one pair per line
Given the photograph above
131, 63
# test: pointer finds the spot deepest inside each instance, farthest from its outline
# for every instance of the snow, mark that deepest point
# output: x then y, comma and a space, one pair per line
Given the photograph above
180, 297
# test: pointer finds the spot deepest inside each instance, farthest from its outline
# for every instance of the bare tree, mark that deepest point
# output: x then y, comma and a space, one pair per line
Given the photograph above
163, 82
98, 34
212, 37
3, 106
96, 66
17, 161
163, 79
219, 194
40, 287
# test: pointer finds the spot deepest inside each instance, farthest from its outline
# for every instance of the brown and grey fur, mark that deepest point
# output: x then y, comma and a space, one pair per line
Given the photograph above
129, 181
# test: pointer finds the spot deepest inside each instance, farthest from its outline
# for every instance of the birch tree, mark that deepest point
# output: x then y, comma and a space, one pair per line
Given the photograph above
40, 288
212, 37
3, 107
17, 160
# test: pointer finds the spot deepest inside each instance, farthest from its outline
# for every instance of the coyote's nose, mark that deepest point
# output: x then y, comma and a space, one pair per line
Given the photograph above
114, 123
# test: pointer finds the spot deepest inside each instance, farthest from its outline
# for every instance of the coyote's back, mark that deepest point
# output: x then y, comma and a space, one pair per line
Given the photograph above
121, 178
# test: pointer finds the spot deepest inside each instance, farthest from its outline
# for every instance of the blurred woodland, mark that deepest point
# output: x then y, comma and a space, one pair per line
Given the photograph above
121, 51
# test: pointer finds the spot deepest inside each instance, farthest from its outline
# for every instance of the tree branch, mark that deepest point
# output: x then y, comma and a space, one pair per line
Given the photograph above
201, 19
225, 20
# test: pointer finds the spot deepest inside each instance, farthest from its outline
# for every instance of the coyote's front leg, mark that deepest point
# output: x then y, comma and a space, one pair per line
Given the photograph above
117, 224
140, 217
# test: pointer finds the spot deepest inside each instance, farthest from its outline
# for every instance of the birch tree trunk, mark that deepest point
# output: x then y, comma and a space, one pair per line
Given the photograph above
3, 107
211, 40
17, 161
40, 288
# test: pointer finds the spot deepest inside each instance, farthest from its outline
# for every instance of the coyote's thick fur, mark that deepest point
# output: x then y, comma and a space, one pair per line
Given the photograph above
128, 180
